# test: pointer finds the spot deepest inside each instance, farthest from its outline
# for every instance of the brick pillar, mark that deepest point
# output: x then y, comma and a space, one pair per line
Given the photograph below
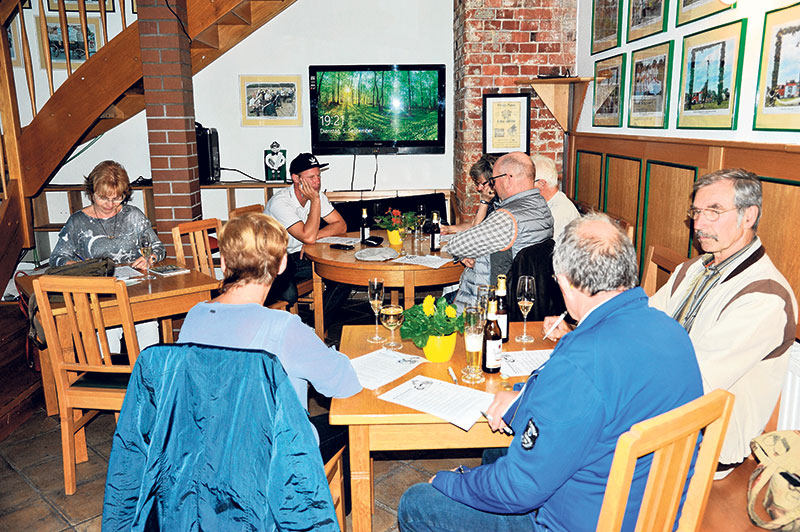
169, 107
497, 42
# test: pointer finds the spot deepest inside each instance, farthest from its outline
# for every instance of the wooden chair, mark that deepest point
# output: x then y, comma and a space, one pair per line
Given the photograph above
658, 258
304, 295
334, 472
199, 243
672, 438
88, 376
257, 207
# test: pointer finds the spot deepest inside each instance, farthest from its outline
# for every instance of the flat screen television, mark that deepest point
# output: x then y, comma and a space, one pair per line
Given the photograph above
377, 109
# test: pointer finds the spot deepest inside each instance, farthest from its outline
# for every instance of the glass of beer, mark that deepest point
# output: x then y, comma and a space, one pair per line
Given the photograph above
485, 293
473, 341
392, 318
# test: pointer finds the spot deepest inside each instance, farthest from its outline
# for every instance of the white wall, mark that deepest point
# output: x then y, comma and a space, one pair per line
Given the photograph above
307, 32
752, 10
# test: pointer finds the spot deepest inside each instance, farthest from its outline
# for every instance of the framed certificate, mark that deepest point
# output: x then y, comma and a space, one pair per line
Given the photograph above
506, 123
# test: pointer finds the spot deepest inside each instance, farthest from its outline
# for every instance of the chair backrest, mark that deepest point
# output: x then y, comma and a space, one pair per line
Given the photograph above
672, 438
257, 207
658, 259
78, 342
199, 243
536, 260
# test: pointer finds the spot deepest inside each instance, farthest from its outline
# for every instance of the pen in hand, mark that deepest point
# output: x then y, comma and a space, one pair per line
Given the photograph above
452, 374
490, 419
553, 327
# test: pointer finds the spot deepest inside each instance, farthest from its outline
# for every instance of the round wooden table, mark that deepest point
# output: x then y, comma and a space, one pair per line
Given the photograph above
343, 267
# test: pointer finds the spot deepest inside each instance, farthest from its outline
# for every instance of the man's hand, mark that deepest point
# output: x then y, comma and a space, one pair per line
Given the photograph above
469, 263
448, 229
498, 407
560, 330
308, 191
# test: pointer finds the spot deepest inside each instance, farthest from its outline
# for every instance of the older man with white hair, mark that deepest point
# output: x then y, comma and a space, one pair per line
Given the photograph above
547, 182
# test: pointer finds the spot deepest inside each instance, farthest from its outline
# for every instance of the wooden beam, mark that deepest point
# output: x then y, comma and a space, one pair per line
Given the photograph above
555, 93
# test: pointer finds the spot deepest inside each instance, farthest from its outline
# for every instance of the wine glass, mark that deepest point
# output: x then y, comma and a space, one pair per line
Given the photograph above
473, 342
526, 291
420, 219
146, 249
485, 293
375, 293
392, 318
402, 231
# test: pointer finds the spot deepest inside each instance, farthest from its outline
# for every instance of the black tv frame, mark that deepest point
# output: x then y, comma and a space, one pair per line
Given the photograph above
379, 147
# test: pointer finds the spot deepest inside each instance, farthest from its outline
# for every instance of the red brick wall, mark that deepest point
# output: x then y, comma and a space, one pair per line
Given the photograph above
496, 43
169, 107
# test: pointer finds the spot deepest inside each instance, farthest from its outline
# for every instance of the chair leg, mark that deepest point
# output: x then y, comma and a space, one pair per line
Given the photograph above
68, 451
81, 453
372, 484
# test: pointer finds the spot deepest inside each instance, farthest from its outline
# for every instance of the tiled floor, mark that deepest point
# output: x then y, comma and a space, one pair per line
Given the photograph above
32, 483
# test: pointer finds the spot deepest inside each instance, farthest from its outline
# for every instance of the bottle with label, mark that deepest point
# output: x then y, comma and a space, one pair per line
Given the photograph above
502, 308
492, 340
436, 232
364, 225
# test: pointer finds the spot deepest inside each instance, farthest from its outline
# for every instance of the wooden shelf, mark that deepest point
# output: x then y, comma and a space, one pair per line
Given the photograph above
562, 96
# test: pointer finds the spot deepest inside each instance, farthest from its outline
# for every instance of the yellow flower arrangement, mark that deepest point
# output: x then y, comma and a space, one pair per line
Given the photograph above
434, 317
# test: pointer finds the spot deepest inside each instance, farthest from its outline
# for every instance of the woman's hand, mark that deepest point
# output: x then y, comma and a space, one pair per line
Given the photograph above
141, 263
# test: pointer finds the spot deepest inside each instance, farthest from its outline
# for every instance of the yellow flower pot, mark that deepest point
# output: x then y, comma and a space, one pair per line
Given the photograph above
440, 348
394, 237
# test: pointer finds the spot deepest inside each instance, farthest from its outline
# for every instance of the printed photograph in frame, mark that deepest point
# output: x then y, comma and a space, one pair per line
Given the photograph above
710, 77
134, 8
71, 6
77, 52
646, 17
13, 44
609, 81
507, 123
651, 72
606, 22
691, 10
778, 94
271, 100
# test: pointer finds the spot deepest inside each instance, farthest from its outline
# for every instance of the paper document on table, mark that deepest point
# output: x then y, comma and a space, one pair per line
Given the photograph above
459, 405
126, 272
522, 363
348, 241
383, 366
430, 261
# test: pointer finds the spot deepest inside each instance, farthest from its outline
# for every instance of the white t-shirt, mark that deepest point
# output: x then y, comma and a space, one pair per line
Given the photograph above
563, 212
284, 207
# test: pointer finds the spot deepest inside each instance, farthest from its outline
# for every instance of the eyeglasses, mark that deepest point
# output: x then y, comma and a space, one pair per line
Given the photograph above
111, 200
712, 215
494, 178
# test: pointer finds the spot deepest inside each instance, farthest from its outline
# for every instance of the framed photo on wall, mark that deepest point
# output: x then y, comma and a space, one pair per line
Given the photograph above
13, 44
691, 10
71, 6
270, 100
710, 77
506, 123
609, 82
778, 94
646, 17
606, 22
58, 47
651, 72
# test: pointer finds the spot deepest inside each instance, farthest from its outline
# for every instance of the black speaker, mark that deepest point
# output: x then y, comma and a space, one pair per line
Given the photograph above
207, 154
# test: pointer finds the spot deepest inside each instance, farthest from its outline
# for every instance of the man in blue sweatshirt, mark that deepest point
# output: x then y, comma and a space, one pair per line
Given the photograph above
623, 363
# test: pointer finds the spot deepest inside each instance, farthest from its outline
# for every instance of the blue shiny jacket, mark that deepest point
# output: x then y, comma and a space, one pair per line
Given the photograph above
214, 439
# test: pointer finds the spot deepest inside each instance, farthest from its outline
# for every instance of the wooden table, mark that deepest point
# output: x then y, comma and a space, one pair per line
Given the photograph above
377, 425
159, 298
342, 266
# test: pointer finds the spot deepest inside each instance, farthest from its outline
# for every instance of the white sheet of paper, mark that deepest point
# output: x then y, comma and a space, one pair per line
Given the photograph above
522, 363
429, 261
126, 272
458, 405
383, 366
339, 240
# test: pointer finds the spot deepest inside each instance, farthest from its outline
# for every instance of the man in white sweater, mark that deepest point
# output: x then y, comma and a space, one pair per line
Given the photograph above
559, 204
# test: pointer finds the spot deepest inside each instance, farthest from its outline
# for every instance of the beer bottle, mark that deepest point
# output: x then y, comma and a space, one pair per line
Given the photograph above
364, 225
502, 309
436, 232
492, 340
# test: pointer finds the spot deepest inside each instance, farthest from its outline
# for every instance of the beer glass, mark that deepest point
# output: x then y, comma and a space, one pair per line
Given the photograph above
473, 341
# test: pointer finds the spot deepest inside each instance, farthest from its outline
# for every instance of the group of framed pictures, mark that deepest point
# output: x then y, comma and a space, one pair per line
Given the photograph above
710, 72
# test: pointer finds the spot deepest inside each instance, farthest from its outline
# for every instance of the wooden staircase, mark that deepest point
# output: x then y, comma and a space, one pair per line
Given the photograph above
102, 92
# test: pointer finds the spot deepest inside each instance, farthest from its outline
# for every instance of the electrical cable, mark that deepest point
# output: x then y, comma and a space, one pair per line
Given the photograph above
353, 176
244, 174
179, 21
375, 175
73, 156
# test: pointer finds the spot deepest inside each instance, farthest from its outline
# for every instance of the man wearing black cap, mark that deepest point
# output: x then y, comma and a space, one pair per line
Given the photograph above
300, 207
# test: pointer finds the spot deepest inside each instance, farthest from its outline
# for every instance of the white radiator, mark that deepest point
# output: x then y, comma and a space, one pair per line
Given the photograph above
789, 413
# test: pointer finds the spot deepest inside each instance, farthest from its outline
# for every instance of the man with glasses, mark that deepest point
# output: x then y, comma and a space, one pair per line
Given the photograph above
480, 173
559, 204
520, 220
738, 309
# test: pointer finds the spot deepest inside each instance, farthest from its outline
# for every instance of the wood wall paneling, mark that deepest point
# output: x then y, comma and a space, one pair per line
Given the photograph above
667, 195
780, 219
622, 194
588, 178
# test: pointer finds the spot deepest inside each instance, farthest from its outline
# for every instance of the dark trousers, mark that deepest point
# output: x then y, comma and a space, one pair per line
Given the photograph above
331, 439
300, 269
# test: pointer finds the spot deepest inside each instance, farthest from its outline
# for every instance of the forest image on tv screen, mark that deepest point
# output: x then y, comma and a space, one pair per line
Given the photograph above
377, 105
